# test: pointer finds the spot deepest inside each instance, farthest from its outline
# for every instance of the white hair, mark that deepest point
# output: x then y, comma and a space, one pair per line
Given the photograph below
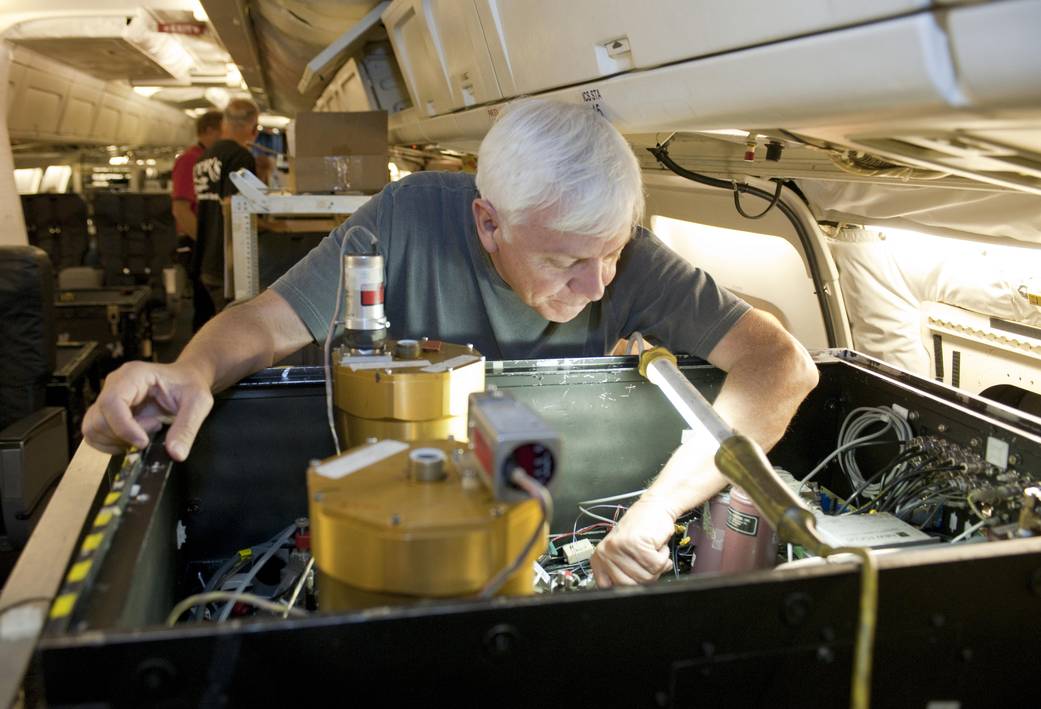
562, 166
241, 112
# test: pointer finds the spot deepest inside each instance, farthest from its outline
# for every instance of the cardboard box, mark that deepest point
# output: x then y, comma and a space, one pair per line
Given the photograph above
339, 152
338, 174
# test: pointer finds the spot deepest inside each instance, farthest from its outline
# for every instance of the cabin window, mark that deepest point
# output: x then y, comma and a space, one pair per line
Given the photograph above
764, 269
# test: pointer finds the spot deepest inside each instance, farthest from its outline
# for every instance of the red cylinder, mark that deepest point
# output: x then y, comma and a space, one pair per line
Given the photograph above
708, 533
749, 541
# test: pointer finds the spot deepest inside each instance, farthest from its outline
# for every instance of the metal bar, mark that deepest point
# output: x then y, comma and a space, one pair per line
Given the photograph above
246, 271
244, 268
687, 400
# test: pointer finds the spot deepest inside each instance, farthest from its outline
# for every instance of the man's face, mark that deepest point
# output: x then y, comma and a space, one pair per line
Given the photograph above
555, 273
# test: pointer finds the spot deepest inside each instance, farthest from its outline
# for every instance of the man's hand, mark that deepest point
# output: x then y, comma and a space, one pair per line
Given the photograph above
637, 549
138, 398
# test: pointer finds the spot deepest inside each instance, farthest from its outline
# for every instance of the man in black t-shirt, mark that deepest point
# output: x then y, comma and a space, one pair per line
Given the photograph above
213, 187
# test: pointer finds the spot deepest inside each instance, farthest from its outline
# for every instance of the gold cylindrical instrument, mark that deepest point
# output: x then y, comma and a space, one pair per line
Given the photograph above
394, 522
415, 390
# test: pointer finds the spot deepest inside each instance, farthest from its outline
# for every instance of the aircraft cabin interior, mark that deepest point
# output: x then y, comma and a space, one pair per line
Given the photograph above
402, 511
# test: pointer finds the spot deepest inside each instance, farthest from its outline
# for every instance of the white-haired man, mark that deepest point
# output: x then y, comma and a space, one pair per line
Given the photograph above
540, 256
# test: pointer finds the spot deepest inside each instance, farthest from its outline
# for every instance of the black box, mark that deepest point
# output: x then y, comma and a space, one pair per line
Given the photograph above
115, 318
75, 383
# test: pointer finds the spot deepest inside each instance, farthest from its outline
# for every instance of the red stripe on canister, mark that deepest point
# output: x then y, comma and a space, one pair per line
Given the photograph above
372, 297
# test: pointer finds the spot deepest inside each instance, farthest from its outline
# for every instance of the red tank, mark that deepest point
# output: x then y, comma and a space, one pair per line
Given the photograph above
708, 532
749, 541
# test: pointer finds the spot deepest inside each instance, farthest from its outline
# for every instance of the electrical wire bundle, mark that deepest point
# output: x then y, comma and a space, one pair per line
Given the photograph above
227, 585
924, 477
553, 561
853, 434
933, 476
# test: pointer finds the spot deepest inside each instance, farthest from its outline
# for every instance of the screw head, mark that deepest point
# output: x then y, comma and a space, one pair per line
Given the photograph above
795, 608
501, 642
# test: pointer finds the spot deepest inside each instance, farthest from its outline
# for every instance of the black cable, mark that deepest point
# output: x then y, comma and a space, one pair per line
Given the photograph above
888, 488
773, 201
916, 487
900, 458
799, 139
661, 153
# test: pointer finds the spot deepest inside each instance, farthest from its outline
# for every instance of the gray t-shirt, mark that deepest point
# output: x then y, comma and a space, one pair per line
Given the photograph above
441, 284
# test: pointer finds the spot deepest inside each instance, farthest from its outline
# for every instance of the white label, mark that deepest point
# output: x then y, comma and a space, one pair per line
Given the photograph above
383, 360
540, 573
408, 364
997, 452
451, 363
363, 458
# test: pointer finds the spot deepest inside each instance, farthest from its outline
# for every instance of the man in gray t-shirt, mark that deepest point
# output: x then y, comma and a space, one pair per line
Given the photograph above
441, 283
539, 255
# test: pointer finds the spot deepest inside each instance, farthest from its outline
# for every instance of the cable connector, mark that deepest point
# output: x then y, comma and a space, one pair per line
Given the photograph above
577, 552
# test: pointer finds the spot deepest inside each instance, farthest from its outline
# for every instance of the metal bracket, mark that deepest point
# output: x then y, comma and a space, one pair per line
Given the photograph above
253, 199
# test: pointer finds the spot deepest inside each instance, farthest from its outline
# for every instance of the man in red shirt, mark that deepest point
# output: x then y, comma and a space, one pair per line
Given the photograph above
184, 203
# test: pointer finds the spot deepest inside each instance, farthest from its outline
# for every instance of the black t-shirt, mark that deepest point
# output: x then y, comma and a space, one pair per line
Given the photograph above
211, 185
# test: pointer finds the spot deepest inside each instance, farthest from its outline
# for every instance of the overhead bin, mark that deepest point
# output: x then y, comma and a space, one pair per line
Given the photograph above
441, 49
49, 100
878, 72
349, 90
997, 52
537, 45
369, 81
118, 46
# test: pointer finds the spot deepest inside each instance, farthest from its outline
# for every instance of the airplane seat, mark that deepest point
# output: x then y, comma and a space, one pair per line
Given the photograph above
57, 223
33, 437
136, 240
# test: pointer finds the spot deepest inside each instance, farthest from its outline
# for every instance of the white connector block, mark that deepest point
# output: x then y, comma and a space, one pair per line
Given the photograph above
579, 551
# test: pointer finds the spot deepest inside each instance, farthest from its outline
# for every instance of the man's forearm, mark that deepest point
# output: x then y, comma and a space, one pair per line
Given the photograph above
244, 339
185, 218
760, 395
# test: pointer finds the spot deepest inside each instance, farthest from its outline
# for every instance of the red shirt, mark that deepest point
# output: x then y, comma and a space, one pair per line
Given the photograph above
183, 182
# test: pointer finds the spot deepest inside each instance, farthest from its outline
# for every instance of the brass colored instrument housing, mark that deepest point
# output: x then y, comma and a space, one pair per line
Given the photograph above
393, 532
407, 403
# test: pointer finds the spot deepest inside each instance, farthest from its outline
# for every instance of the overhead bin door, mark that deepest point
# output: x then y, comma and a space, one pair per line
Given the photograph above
460, 53
442, 52
542, 44
80, 109
997, 51
347, 91
36, 104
